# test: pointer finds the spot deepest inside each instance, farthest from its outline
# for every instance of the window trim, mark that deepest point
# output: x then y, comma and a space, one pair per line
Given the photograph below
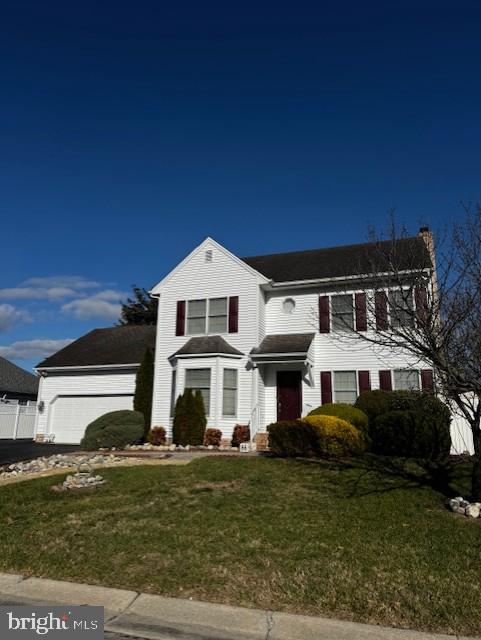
236, 389
356, 379
194, 389
207, 317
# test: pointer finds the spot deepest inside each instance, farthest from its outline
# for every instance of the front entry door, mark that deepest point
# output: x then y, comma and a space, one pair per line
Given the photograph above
289, 395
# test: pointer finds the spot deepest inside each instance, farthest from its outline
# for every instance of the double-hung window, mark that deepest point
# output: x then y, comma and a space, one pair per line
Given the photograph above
199, 379
229, 397
196, 316
342, 311
207, 316
345, 386
217, 315
406, 379
401, 308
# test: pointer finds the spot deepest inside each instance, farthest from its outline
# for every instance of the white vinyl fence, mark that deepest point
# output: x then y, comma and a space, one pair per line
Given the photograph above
461, 435
17, 420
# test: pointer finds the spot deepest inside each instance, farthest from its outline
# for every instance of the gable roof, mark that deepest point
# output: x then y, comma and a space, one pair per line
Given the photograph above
16, 380
349, 260
284, 343
202, 345
114, 345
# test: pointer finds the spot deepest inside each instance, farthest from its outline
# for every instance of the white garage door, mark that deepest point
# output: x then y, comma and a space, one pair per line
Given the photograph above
70, 415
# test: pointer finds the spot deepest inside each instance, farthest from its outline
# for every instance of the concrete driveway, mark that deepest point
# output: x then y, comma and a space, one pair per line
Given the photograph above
19, 450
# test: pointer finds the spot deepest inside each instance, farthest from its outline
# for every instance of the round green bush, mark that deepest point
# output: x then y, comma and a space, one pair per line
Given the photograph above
114, 429
410, 434
374, 403
346, 412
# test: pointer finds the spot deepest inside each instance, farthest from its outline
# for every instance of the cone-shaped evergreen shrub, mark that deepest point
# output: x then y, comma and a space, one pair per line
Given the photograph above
144, 387
199, 424
182, 418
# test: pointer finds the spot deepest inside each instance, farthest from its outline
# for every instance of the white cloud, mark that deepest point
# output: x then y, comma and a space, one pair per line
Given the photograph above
33, 349
110, 294
72, 282
93, 307
33, 293
9, 315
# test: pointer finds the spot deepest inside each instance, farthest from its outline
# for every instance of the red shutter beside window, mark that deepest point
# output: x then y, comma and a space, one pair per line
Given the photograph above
421, 300
180, 320
233, 314
361, 314
326, 387
427, 380
385, 381
364, 380
324, 320
381, 310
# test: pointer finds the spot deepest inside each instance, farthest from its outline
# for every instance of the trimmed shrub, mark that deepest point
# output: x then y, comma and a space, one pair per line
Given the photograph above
144, 387
241, 433
336, 438
410, 434
213, 437
114, 429
189, 419
157, 436
346, 412
374, 403
292, 438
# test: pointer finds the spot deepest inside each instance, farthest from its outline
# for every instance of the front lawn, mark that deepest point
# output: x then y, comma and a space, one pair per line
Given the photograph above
305, 537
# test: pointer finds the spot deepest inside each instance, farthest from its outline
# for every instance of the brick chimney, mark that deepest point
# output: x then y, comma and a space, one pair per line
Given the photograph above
427, 236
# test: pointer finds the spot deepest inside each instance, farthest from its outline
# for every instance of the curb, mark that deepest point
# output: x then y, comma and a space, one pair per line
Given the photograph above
158, 617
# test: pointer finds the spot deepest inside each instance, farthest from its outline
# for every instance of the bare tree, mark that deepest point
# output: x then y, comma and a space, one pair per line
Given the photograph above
429, 306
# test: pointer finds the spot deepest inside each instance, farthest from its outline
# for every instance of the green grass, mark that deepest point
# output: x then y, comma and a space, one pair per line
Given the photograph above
315, 538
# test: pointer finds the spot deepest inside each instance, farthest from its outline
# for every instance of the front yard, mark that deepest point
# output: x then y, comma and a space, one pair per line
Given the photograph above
305, 537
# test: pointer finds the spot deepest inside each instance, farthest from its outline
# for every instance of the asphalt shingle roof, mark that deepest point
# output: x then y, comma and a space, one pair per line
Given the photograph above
207, 344
15, 379
349, 260
114, 345
284, 343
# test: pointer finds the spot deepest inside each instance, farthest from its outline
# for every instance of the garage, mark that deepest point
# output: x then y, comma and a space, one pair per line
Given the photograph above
70, 415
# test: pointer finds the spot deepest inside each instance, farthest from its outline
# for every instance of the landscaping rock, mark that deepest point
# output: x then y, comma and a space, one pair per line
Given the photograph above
472, 511
464, 508
58, 461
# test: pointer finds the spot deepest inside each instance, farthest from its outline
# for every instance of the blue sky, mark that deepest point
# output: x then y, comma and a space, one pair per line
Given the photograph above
130, 131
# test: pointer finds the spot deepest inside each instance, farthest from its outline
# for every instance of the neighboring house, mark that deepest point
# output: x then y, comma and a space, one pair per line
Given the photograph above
257, 336
88, 378
16, 383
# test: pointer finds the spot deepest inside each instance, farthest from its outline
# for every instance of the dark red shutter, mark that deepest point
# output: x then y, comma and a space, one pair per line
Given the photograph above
324, 320
180, 321
364, 381
381, 310
421, 300
361, 315
233, 314
385, 381
427, 380
326, 387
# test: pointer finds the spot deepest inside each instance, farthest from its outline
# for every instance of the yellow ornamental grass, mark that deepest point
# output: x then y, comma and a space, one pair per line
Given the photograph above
336, 437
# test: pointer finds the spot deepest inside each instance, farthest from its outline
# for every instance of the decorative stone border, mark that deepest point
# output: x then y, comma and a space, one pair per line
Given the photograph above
465, 508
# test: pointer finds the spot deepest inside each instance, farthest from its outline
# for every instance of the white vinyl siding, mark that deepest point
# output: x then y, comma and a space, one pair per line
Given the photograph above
406, 379
342, 312
345, 386
229, 396
199, 379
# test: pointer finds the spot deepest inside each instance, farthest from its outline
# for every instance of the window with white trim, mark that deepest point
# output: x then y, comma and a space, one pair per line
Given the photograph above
173, 396
406, 379
401, 308
229, 395
342, 311
345, 386
207, 316
199, 379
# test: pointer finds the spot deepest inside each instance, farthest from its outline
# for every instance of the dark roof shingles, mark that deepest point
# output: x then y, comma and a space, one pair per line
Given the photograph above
284, 343
349, 260
114, 345
17, 380
207, 344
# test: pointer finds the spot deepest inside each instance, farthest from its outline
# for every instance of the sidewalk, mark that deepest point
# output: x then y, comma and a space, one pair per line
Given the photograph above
159, 618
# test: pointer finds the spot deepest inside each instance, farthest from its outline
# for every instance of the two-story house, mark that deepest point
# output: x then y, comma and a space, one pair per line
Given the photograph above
264, 338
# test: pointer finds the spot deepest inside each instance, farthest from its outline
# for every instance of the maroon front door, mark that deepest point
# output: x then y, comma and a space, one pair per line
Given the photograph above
289, 395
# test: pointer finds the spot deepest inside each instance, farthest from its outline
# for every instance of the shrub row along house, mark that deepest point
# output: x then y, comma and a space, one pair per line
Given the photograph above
263, 338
